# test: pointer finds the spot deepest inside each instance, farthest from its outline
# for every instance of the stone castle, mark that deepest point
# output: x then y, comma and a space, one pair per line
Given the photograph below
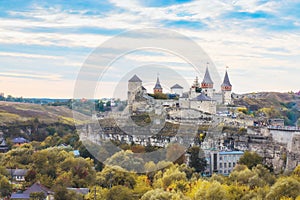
200, 97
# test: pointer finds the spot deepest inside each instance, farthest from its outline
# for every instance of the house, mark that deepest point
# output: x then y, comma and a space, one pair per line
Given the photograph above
19, 141
3, 145
17, 174
36, 187
277, 122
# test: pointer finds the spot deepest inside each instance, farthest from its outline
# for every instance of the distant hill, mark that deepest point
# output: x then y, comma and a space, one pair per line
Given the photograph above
272, 105
11, 112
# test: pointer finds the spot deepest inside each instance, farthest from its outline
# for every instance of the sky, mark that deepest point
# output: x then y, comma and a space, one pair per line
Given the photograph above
45, 44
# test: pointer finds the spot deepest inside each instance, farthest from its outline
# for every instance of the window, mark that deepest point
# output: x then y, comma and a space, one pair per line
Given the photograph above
220, 158
225, 165
233, 164
229, 164
221, 165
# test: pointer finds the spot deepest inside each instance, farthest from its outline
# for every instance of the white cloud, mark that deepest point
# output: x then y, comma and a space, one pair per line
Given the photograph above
238, 43
52, 77
26, 55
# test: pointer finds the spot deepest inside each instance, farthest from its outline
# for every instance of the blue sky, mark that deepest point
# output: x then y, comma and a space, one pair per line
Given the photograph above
43, 44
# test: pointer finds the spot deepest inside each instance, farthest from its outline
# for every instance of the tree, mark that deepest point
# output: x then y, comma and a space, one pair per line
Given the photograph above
211, 190
237, 192
197, 161
250, 159
163, 195
81, 169
97, 193
296, 171
284, 187
5, 186
30, 175
120, 193
241, 176
171, 175
113, 176
264, 174
37, 196
142, 186
127, 160
61, 193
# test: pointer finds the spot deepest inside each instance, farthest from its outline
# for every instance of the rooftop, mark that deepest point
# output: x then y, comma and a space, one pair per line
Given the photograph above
231, 153
135, 78
157, 85
226, 82
207, 79
176, 86
19, 140
202, 97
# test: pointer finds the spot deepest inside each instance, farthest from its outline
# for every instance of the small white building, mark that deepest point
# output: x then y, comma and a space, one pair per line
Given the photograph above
177, 89
222, 162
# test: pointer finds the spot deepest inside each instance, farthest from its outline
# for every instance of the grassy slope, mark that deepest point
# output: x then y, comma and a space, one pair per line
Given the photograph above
11, 112
268, 99
287, 105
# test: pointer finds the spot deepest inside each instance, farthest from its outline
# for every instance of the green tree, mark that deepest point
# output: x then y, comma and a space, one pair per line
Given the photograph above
284, 187
120, 193
237, 192
30, 175
81, 169
5, 186
97, 193
241, 176
114, 176
172, 175
37, 196
264, 175
250, 159
61, 193
163, 195
127, 160
211, 191
197, 159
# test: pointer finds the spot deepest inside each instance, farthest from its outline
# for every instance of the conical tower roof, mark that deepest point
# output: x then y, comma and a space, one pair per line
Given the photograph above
207, 79
135, 78
157, 85
226, 82
176, 86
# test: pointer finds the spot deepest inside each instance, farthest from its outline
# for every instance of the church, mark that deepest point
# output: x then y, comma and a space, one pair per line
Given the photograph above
200, 96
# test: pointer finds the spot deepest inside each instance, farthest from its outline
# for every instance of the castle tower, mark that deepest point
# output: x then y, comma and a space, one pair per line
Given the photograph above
134, 87
157, 88
207, 85
226, 88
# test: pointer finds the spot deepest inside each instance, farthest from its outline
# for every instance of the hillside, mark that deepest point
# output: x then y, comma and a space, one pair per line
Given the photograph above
272, 105
11, 112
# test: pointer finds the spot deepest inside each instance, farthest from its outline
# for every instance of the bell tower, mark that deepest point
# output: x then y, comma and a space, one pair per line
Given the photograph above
134, 87
226, 88
207, 85
157, 88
